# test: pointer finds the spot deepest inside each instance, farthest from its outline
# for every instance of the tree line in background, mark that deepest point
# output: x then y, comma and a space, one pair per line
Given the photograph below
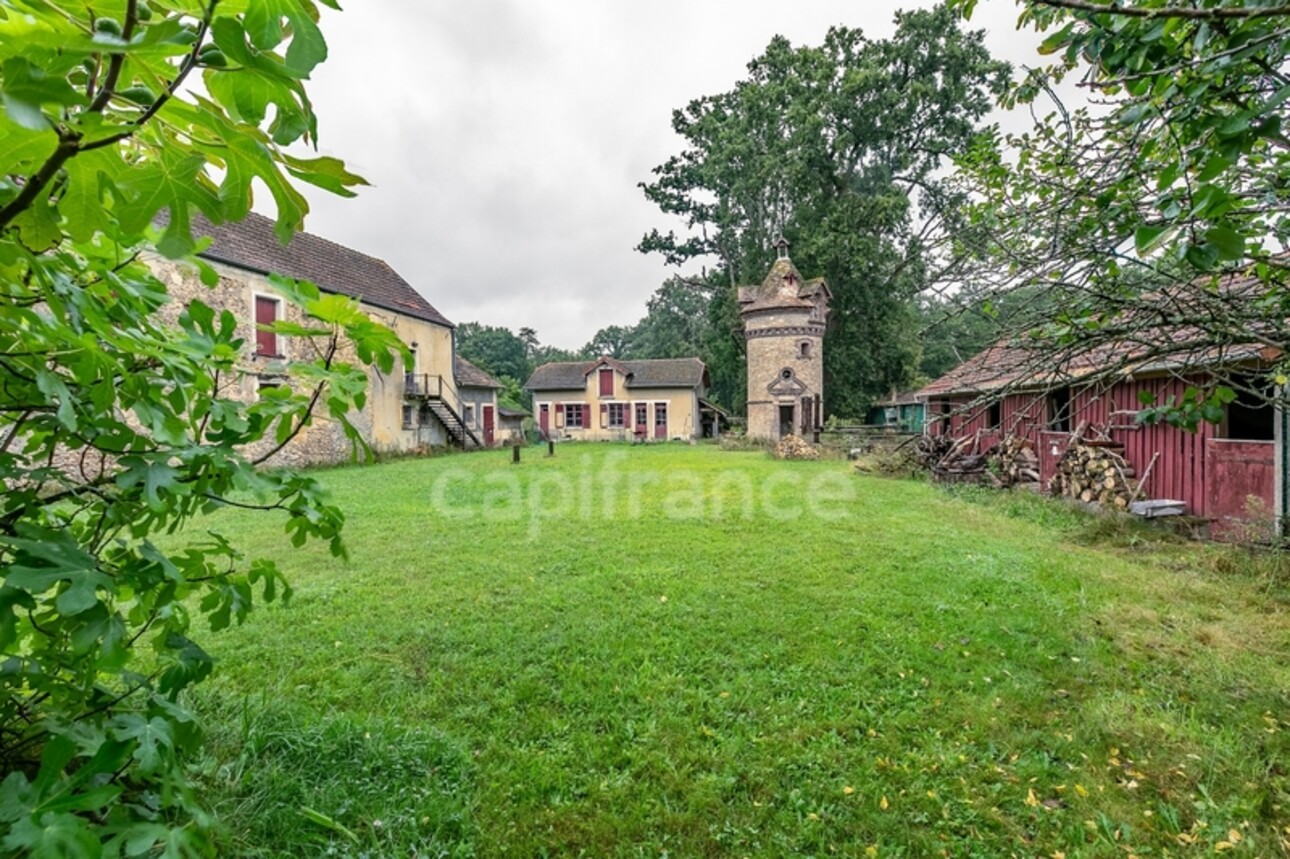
840, 148
1113, 229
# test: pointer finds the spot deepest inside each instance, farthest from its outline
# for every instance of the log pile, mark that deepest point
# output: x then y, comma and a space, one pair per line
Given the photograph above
1095, 472
1016, 461
960, 461
795, 447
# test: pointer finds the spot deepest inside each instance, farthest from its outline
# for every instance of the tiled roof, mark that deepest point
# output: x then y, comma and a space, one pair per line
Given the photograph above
783, 287
1150, 338
251, 244
998, 366
647, 373
470, 376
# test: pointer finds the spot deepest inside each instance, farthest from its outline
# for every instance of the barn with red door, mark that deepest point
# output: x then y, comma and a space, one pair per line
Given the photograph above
1230, 473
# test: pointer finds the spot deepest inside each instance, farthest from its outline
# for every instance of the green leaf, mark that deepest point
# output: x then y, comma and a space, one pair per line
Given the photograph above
25, 89
23, 150
1228, 242
155, 477
152, 738
80, 596
1147, 237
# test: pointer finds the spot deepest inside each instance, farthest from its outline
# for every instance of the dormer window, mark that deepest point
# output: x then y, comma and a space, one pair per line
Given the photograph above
606, 382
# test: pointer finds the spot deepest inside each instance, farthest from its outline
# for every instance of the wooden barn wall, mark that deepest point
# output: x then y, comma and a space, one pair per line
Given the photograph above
1179, 471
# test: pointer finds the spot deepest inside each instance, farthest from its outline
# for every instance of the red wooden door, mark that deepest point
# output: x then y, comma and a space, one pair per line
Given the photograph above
488, 426
544, 418
1240, 486
641, 420
660, 420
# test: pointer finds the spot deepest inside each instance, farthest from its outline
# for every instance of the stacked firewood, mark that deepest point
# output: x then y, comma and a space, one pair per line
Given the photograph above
795, 447
1095, 472
1016, 461
952, 461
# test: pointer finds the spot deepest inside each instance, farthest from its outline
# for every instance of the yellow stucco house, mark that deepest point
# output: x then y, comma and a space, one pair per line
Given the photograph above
612, 400
405, 411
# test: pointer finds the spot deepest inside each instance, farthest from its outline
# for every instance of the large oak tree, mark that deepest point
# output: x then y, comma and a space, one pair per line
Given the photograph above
838, 148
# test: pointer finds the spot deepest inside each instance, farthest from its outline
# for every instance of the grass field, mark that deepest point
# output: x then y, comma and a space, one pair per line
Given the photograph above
678, 651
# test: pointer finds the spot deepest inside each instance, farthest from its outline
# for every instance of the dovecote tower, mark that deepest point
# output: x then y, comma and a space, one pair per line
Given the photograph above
784, 321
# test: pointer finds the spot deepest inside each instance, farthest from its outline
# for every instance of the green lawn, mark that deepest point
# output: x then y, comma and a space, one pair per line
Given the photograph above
686, 652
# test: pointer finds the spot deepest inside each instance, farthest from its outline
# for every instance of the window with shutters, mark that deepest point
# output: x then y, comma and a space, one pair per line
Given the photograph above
574, 416
617, 415
268, 310
606, 383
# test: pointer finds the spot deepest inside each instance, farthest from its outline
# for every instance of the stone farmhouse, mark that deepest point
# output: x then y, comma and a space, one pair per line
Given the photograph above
442, 401
611, 400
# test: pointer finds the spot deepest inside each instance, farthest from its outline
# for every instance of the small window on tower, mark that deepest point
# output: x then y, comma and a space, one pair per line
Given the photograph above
804, 349
786, 374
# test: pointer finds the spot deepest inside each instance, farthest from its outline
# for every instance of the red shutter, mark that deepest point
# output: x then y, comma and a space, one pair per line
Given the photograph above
266, 313
606, 383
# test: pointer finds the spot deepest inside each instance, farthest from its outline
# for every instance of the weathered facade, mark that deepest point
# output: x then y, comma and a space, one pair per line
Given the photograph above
405, 411
784, 321
610, 400
1226, 473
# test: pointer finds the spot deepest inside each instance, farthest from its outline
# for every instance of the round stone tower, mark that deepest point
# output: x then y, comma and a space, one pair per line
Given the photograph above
784, 321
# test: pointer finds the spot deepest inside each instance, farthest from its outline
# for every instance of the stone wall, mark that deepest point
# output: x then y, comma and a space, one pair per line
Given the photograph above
775, 343
380, 422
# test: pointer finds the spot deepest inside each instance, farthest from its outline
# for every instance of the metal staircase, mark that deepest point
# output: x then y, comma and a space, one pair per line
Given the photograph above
460, 434
433, 396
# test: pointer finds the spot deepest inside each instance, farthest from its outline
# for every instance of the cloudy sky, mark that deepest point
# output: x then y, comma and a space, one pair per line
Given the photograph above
504, 139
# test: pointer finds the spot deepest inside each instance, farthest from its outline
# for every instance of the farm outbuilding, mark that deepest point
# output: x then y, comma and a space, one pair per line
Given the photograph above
901, 411
1230, 473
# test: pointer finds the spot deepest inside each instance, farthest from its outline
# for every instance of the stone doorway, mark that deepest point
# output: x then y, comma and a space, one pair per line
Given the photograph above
785, 421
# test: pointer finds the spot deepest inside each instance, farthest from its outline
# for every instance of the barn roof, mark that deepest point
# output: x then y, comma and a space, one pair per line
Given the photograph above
1157, 338
251, 244
646, 373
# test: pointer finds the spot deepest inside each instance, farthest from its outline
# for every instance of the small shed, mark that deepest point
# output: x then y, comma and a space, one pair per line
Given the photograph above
902, 412
510, 422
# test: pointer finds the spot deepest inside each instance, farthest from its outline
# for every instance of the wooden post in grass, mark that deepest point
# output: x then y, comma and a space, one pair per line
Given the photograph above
550, 447
515, 454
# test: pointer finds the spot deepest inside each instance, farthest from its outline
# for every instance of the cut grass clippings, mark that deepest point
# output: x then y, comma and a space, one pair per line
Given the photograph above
633, 651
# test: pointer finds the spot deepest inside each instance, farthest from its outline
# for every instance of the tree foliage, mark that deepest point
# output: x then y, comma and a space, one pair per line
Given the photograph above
837, 147
1154, 218
495, 349
119, 418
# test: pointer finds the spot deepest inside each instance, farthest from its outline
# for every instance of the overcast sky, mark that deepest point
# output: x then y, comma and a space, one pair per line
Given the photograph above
504, 139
